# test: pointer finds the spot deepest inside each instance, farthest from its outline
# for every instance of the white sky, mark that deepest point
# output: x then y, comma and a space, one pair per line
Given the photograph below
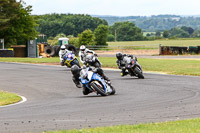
116, 7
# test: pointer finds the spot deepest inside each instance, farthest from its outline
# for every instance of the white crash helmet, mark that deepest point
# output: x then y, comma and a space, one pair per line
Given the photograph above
82, 48
62, 47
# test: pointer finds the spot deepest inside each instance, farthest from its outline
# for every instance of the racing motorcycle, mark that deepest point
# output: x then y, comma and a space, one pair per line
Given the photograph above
95, 83
70, 59
92, 60
133, 67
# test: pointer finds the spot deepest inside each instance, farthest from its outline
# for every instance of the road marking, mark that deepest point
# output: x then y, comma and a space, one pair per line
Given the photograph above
22, 101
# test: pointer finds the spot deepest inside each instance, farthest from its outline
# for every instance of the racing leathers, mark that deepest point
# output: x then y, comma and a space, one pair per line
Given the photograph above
98, 70
121, 64
61, 54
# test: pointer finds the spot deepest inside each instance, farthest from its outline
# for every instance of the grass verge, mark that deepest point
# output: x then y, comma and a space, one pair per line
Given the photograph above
8, 98
181, 126
169, 66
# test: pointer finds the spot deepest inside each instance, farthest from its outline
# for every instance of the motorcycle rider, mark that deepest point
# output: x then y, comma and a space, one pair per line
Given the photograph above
83, 53
63, 51
76, 71
121, 62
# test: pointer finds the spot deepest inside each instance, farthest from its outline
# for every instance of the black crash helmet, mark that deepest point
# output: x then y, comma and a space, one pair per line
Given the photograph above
119, 55
75, 69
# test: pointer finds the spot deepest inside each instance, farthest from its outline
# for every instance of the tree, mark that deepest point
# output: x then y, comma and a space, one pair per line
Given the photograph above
101, 33
158, 33
196, 33
8, 12
17, 25
111, 38
166, 34
70, 24
188, 29
178, 32
86, 37
126, 31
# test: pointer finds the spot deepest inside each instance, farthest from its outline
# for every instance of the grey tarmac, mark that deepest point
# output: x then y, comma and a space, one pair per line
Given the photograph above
54, 103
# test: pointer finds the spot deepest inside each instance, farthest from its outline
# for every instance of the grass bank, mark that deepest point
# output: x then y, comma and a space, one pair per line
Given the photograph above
182, 126
169, 66
8, 98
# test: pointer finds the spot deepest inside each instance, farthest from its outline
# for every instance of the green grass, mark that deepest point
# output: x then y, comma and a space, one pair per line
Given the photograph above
169, 66
8, 98
30, 60
181, 126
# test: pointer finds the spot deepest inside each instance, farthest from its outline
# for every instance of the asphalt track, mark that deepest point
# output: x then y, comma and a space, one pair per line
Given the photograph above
54, 103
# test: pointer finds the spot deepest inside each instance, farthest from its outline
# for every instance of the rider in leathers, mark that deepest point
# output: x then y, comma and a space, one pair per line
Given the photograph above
63, 51
121, 62
76, 72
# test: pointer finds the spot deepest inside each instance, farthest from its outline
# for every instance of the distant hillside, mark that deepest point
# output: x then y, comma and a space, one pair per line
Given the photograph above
156, 23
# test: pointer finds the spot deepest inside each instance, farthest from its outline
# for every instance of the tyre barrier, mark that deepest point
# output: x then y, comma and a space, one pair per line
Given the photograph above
49, 50
6, 53
168, 50
54, 50
72, 48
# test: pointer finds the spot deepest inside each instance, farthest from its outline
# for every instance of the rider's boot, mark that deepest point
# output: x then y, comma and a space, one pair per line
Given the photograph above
124, 73
86, 91
77, 82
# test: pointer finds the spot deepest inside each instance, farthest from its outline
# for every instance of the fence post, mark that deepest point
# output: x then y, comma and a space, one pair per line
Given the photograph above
2, 41
160, 49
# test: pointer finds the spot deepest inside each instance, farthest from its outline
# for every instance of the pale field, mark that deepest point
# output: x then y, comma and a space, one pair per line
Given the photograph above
182, 42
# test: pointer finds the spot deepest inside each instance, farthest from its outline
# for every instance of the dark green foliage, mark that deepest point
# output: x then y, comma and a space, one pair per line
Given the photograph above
166, 34
86, 38
158, 33
178, 32
110, 38
17, 26
101, 33
126, 31
187, 29
69, 24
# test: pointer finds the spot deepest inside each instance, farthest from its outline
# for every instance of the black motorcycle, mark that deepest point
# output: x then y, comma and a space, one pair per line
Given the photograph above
133, 67
92, 60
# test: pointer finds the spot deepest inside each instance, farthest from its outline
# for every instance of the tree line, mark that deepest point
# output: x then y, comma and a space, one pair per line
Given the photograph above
69, 24
17, 26
157, 23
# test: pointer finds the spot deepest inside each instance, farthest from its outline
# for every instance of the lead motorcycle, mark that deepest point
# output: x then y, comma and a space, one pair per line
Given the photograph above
133, 67
95, 83
70, 59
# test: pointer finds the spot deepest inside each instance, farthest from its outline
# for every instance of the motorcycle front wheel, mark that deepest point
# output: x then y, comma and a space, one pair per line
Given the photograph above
113, 90
77, 63
139, 73
99, 88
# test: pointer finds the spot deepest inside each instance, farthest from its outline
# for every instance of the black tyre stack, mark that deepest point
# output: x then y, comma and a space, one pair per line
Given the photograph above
6, 53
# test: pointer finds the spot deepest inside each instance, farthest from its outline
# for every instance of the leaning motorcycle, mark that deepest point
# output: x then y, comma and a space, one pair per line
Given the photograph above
92, 60
70, 60
133, 67
95, 83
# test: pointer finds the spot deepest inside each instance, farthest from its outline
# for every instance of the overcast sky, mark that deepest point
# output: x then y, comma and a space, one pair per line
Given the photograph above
116, 7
